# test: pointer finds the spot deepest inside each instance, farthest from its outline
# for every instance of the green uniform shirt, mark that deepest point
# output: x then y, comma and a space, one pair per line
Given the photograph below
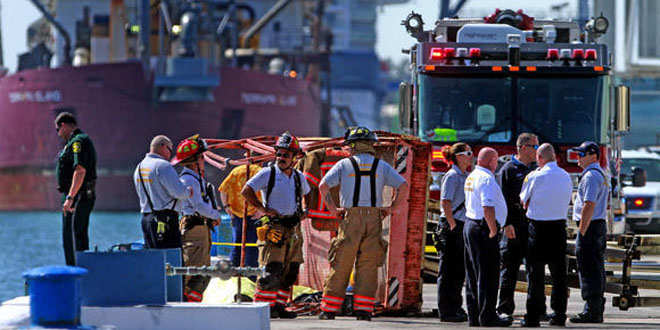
79, 150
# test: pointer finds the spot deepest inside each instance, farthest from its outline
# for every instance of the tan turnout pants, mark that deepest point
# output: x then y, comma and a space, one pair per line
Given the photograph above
358, 243
282, 261
196, 245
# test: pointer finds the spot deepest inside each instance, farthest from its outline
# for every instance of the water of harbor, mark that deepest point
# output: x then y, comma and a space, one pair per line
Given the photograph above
34, 239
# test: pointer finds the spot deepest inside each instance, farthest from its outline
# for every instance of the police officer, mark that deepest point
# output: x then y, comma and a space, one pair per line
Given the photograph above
513, 246
451, 270
159, 190
361, 178
485, 210
280, 237
199, 215
590, 211
546, 194
76, 177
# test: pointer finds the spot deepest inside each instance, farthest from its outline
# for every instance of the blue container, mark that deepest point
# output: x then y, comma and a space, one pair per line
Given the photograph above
55, 295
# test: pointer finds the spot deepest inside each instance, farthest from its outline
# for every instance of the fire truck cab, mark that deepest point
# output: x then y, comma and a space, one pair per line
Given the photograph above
484, 81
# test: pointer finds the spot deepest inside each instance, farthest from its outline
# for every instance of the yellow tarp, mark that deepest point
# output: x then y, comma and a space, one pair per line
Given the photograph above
222, 292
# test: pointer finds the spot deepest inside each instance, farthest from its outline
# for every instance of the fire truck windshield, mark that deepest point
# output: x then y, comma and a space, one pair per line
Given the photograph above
482, 109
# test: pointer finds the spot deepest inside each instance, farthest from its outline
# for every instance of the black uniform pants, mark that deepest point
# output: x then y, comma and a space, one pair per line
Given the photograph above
75, 227
451, 269
513, 253
590, 253
482, 260
170, 235
547, 245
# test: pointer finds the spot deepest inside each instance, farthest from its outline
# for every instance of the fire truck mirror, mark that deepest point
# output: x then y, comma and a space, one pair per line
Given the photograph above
622, 104
405, 108
638, 177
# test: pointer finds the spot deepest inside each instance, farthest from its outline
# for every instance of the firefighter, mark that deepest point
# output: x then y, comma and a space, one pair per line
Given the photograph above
486, 211
159, 189
199, 215
513, 246
451, 268
590, 211
279, 237
76, 177
546, 194
361, 178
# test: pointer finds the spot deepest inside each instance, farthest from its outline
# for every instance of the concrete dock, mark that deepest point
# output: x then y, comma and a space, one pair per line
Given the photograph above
634, 318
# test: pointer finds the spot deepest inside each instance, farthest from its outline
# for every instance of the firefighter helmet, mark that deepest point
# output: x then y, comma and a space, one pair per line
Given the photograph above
289, 142
359, 133
188, 148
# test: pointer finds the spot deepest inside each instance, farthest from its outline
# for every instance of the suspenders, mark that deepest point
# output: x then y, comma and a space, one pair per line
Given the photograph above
297, 183
358, 178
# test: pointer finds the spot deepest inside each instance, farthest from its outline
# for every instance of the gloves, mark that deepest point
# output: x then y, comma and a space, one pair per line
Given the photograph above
265, 233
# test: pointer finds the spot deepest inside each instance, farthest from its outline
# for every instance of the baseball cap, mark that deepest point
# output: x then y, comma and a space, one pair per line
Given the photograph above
587, 148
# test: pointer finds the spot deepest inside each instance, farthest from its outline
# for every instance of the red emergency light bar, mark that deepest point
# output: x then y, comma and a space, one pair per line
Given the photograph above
578, 54
475, 52
638, 202
553, 54
437, 54
590, 54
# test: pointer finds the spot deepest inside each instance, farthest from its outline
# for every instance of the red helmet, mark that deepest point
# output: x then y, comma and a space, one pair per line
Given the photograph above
288, 142
188, 148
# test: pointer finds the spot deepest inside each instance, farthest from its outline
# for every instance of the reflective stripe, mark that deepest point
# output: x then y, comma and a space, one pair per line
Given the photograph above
331, 303
312, 178
363, 308
283, 293
333, 299
331, 309
319, 214
194, 296
266, 293
364, 299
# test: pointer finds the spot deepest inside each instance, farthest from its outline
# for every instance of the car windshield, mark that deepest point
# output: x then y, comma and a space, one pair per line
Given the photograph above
650, 165
561, 110
481, 109
465, 109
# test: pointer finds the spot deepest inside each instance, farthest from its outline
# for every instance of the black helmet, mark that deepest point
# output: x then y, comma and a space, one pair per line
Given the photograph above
359, 133
288, 142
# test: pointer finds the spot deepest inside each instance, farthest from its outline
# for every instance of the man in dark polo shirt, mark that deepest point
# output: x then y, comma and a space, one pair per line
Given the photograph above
513, 246
76, 176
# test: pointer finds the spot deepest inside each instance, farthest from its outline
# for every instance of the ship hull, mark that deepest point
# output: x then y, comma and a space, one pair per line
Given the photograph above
117, 106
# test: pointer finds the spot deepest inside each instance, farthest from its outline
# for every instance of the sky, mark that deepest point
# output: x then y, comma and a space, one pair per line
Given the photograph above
391, 36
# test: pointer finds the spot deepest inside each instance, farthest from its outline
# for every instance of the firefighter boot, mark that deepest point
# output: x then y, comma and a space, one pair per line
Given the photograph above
327, 316
363, 316
283, 313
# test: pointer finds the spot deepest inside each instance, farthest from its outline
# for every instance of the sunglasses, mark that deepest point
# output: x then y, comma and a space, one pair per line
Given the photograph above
535, 146
57, 129
466, 153
169, 148
282, 155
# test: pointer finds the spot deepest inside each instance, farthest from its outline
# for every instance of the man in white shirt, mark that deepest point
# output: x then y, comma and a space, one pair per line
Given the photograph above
546, 194
486, 212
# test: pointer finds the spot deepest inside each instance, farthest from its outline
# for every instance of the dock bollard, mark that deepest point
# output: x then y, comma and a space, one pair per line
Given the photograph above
55, 295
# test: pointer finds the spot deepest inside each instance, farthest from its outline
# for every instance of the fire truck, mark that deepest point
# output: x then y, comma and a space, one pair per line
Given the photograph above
484, 81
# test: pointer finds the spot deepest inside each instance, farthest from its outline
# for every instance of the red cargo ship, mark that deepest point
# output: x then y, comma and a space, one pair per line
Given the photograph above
119, 106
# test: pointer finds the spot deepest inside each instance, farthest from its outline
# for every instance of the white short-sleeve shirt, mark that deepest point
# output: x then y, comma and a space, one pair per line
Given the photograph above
481, 189
548, 191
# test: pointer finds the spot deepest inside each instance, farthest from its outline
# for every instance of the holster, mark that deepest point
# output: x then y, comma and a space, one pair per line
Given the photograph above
440, 235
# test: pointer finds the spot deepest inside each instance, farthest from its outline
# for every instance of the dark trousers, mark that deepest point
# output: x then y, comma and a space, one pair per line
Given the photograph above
590, 253
547, 245
513, 253
75, 227
170, 238
482, 260
451, 270
251, 253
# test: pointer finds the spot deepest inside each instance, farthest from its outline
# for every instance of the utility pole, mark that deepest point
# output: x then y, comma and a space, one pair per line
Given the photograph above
317, 36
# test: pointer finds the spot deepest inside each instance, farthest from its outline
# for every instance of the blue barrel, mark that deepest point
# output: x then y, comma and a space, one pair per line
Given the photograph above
54, 295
